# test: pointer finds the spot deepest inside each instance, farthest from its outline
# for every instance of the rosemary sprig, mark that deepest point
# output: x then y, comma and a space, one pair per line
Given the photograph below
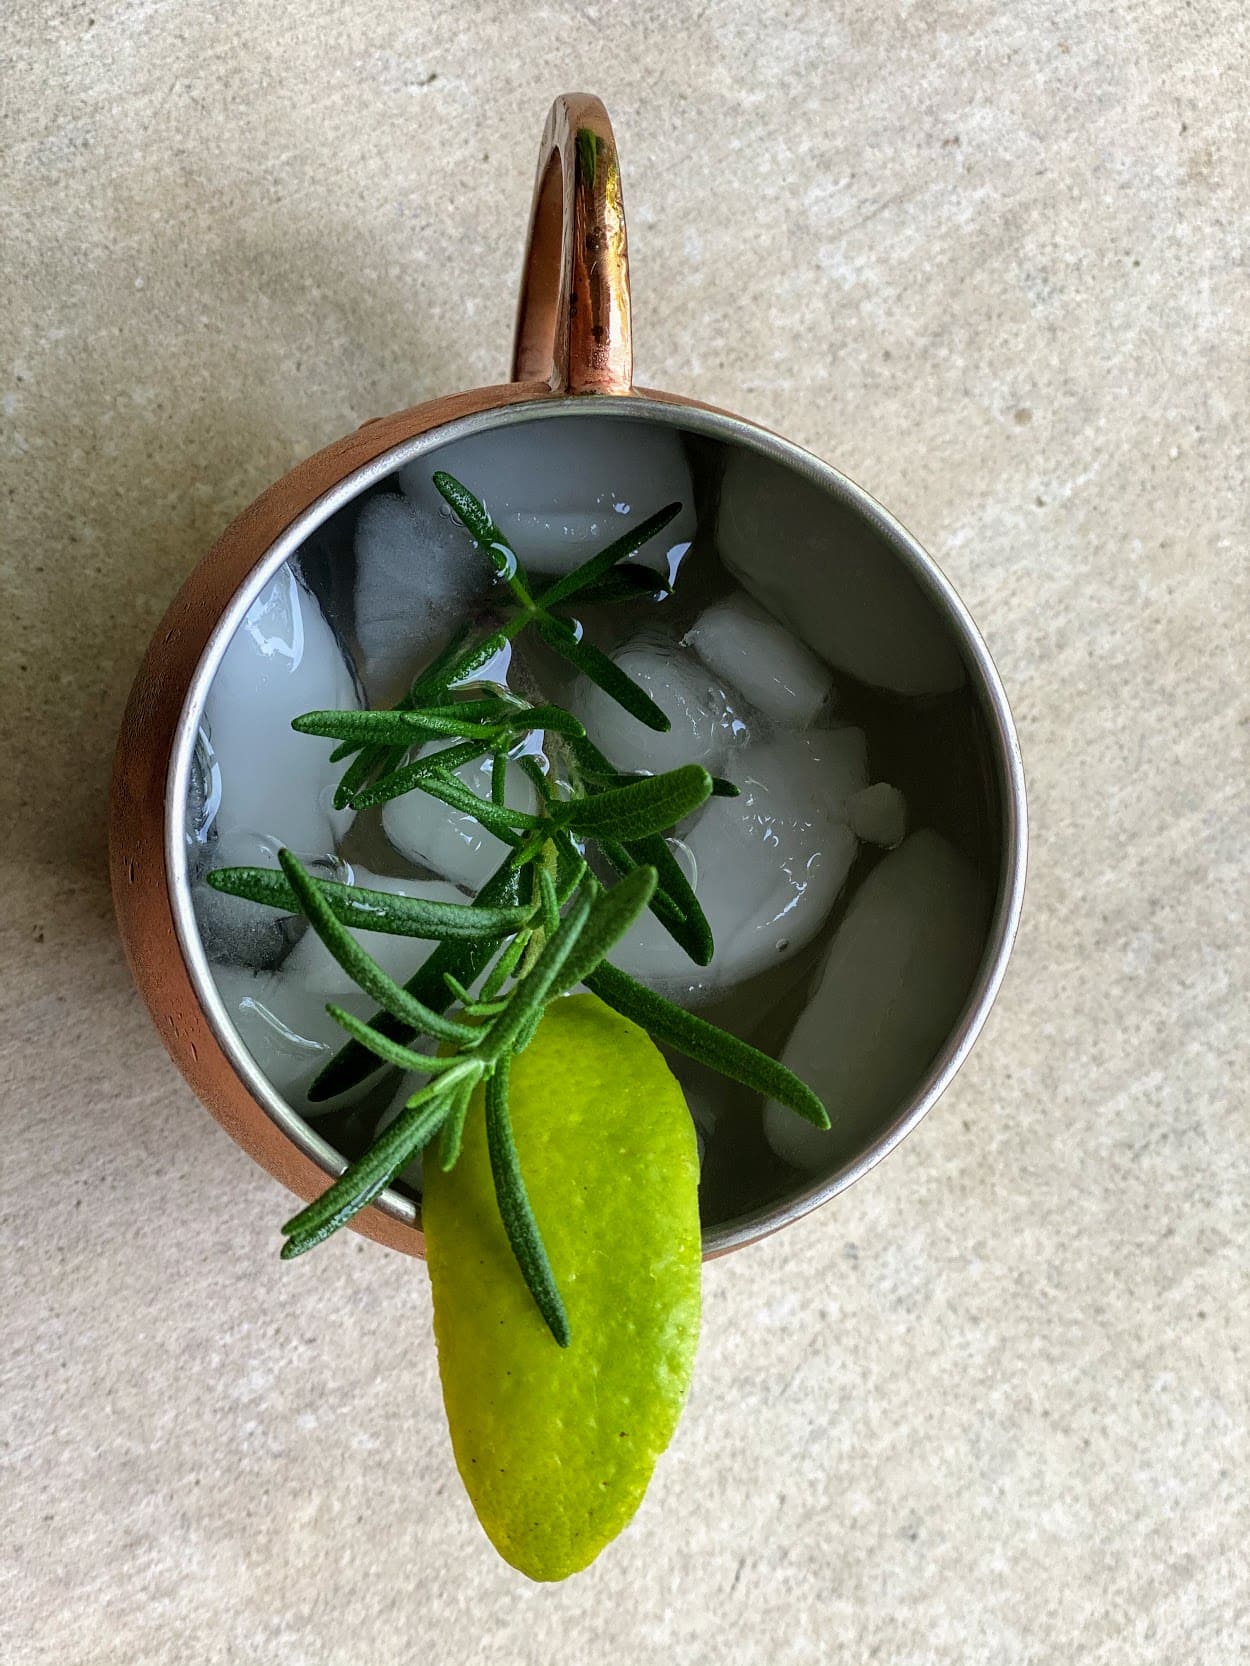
465, 959
674, 905
363, 1181
459, 662
704, 1042
543, 923
499, 819
721, 788
600, 567
499, 720
557, 631
592, 662
651, 805
360, 966
368, 910
499, 779
594, 922
626, 584
514, 1207
439, 763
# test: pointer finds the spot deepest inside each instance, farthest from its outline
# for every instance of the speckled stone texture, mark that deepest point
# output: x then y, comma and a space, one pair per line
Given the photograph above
991, 1406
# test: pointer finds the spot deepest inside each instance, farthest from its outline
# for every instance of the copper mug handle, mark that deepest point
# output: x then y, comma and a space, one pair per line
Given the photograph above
573, 317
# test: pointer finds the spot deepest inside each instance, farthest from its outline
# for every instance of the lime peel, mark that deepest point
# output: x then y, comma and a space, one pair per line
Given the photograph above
555, 1445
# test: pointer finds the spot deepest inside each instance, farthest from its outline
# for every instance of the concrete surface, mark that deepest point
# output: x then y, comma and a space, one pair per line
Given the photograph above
988, 258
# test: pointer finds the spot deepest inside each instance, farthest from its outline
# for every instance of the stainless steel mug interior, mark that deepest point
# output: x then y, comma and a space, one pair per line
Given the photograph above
838, 544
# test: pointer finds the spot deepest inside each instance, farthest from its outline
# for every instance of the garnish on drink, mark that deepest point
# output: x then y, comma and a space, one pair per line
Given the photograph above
560, 1178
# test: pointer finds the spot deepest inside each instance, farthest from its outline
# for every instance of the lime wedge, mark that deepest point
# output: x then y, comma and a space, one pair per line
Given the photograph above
556, 1445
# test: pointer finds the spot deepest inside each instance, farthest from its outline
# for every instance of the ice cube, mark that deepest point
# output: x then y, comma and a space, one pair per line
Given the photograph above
417, 578
283, 660
769, 864
232, 929
831, 579
289, 1033
560, 490
898, 973
705, 726
878, 815
318, 971
759, 658
450, 842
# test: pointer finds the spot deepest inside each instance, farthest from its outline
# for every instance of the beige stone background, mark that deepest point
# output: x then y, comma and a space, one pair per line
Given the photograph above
990, 259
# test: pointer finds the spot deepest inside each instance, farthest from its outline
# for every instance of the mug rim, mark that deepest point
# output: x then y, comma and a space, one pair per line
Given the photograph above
672, 411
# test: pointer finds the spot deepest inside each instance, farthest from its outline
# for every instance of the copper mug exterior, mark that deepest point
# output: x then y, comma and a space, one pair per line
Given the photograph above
572, 347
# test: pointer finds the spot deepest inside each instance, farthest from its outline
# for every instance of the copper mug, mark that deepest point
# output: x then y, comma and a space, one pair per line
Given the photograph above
572, 355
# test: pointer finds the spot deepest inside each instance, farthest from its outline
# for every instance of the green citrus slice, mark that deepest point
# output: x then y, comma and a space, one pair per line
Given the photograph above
556, 1445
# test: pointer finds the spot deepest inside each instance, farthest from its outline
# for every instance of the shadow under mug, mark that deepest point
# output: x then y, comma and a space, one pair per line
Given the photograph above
834, 558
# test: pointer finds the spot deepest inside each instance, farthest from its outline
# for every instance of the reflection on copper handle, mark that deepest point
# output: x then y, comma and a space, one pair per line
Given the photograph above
573, 327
